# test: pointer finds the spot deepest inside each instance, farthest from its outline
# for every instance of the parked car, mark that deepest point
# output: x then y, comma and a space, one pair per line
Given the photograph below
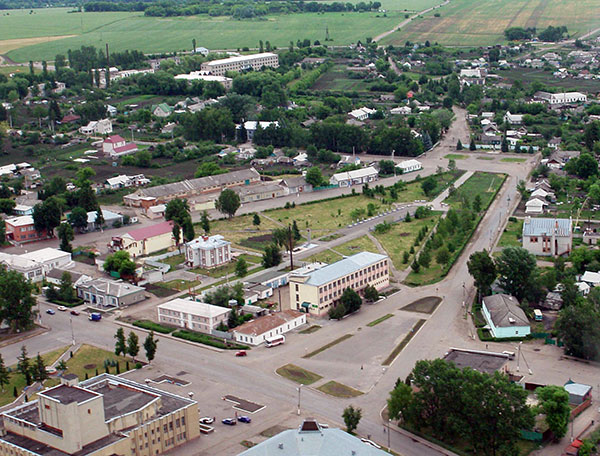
244, 419
74, 312
229, 421
50, 312
62, 308
207, 420
241, 353
95, 316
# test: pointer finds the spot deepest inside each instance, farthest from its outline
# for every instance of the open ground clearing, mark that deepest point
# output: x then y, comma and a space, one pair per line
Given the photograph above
482, 22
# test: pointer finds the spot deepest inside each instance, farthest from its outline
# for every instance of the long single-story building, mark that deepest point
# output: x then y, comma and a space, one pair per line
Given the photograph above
104, 293
255, 332
355, 177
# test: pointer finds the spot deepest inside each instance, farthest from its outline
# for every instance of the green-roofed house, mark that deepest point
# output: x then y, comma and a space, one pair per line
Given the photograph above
162, 110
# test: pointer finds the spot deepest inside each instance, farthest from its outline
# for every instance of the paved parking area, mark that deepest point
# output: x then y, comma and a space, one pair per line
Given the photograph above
356, 362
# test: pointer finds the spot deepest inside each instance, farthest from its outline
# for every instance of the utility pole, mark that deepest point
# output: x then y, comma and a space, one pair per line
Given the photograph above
290, 245
107, 77
388, 423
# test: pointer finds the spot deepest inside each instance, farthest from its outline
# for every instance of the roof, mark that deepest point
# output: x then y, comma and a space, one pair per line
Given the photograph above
158, 208
201, 309
504, 311
547, 226
535, 202
57, 273
23, 220
47, 254
355, 174
112, 287
577, 389
114, 139
126, 148
106, 214
480, 361
343, 267
409, 163
208, 242
267, 276
151, 231
312, 440
291, 182
267, 323
590, 277
66, 394
240, 58
258, 189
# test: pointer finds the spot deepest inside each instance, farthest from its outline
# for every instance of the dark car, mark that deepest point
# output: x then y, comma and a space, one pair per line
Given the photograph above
229, 421
50, 312
244, 419
241, 353
74, 312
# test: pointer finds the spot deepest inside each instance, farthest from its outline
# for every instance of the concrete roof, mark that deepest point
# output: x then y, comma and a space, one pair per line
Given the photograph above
23, 220
343, 267
241, 58
201, 309
547, 226
47, 254
483, 362
578, 389
505, 311
67, 394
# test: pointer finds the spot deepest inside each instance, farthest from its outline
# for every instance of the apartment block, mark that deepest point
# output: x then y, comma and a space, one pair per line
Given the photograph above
241, 62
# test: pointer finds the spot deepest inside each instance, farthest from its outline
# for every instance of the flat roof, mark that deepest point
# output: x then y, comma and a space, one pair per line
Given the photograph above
241, 58
343, 267
23, 220
201, 309
66, 394
47, 254
483, 362
267, 323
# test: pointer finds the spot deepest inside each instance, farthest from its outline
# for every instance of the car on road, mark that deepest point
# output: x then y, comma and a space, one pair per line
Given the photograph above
244, 419
50, 312
207, 420
241, 353
229, 421
370, 442
62, 308
74, 312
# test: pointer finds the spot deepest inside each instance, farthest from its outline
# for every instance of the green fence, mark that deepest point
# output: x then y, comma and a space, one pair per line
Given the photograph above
531, 435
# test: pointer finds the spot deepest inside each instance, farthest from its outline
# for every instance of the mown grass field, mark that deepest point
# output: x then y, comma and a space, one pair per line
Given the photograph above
482, 22
357, 245
152, 34
511, 237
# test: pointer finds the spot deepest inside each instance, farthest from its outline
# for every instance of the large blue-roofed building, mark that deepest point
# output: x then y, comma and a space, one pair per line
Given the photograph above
320, 290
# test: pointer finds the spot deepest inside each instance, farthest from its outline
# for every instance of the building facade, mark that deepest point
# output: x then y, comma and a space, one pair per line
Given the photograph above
192, 315
147, 240
547, 236
320, 290
21, 229
355, 177
105, 415
504, 316
241, 63
105, 293
208, 252
255, 332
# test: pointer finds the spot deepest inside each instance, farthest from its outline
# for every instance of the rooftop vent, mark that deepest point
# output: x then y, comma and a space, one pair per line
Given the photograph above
511, 320
280, 446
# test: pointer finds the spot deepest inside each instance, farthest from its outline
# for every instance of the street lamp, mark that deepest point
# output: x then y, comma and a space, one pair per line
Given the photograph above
299, 391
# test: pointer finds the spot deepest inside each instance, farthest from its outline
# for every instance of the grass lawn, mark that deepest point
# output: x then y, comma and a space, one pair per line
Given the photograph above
513, 160
480, 183
125, 30
179, 284
298, 375
17, 380
337, 79
89, 358
511, 237
311, 329
334, 254
326, 346
239, 229
456, 156
485, 158
229, 268
414, 191
380, 320
482, 22
174, 260
336, 389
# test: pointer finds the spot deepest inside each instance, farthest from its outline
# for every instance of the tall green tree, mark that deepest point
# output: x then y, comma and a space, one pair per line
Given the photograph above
483, 270
351, 416
24, 365
47, 215
516, 268
241, 268
133, 345
578, 326
351, 300
66, 235
271, 256
65, 289
120, 344
16, 300
4, 374
38, 370
205, 222
228, 202
78, 218
150, 345
314, 176
256, 220
554, 403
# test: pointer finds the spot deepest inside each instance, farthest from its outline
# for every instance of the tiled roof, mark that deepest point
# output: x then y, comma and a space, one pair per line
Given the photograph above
114, 139
151, 231
505, 311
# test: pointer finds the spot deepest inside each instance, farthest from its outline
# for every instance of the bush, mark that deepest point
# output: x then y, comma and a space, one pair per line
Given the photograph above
138, 365
207, 340
147, 324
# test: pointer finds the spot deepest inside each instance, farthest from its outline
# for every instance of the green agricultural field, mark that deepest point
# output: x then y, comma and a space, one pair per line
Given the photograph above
153, 34
482, 22
400, 5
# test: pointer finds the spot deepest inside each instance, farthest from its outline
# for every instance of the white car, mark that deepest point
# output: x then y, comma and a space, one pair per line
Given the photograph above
207, 420
62, 308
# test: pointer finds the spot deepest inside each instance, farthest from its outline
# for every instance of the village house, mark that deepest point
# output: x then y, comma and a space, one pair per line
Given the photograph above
362, 113
354, 177
504, 317
208, 252
162, 110
124, 181
192, 315
54, 276
147, 240
535, 206
408, 166
255, 332
296, 185
155, 212
104, 293
22, 229
97, 127
547, 236
513, 119
401, 110
252, 125
115, 146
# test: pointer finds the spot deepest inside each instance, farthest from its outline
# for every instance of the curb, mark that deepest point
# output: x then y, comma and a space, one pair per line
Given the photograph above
16, 340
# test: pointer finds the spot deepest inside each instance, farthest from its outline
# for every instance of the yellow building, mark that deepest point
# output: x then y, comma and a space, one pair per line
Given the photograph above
147, 240
320, 290
105, 415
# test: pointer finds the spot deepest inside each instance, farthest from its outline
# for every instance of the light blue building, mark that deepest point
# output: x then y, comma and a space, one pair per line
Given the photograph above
504, 316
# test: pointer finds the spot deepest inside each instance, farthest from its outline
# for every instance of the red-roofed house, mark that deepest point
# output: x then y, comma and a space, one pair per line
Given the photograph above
147, 240
70, 118
116, 146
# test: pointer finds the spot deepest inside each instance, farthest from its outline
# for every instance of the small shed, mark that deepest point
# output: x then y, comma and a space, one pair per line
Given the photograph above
578, 392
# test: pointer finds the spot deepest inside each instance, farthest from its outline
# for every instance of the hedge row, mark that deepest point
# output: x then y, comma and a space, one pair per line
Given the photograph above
207, 340
150, 325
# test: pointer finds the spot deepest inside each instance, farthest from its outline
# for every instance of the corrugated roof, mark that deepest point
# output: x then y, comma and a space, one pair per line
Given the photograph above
267, 323
356, 174
343, 268
547, 226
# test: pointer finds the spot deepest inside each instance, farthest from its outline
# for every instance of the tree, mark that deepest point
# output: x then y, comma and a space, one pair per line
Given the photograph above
371, 293
65, 290
38, 370
228, 202
150, 344
188, 230
442, 256
256, 220
66, 235
314, 176
99, 221
241, 268
4, 374
351, 300
459, 145
483, 270
472, 145
271, 256
399, 401
177, 210
16, 300
133, 346
24, 366
120, 344
205, 222
120, 262
351, 418
387, 167
578, 326
554, 403
425, 258
295, 231
338, 312
504, 145
428, 185
477, 203
516, 268
416, 267
47, 215
405, 257
78, 218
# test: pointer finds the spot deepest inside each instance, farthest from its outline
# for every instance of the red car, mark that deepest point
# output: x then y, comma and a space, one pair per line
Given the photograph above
74, 312
241, 353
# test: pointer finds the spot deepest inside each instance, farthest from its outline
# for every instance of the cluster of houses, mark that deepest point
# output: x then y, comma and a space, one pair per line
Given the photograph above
31, 176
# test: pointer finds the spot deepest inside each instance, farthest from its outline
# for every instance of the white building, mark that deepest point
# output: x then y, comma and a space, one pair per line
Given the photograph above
49, 258
362, 113
535, 206
560, 98
240, 63
408, 166
547, 236
208, 252
124, 181
513, 119
401, 110
355, 177
204, 76
116, 146
504, 316
97, 127
252, 125
255, 332
192, 315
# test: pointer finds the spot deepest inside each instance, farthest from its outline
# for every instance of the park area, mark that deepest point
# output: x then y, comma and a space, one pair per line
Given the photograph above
482, 22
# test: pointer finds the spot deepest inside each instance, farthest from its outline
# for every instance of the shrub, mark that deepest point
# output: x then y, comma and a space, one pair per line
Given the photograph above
138, 365
147, 324
207, 340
